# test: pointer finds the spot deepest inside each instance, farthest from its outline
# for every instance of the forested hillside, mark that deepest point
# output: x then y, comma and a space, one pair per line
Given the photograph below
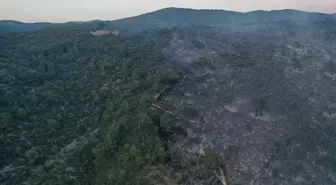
74, 106
176, 97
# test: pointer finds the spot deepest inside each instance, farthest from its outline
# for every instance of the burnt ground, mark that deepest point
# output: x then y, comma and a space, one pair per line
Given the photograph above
265, 103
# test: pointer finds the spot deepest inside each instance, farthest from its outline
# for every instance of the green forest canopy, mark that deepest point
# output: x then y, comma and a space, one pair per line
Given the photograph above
74, 107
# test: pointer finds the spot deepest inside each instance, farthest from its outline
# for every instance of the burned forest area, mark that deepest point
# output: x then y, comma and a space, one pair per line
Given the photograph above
171, 97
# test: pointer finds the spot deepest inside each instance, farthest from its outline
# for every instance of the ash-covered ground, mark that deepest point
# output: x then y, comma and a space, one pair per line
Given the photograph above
264, 101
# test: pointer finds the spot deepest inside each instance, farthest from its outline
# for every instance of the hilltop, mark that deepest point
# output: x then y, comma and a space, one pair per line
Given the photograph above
171, 17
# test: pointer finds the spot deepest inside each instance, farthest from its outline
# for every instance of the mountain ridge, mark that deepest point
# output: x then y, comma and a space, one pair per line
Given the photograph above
169, 17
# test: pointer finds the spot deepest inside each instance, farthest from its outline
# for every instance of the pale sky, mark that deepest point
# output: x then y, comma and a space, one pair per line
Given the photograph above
83, 10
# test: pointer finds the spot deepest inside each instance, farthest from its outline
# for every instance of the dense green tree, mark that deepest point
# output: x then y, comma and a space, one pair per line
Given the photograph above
74, 107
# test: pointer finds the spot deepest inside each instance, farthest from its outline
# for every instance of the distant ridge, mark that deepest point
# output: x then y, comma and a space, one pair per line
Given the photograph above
170, 17
17, 26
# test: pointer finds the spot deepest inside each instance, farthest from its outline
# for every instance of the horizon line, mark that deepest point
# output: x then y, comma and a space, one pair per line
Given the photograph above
84, 21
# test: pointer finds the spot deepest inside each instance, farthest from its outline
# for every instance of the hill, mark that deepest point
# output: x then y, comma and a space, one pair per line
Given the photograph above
171, 17
180, 96
16, 26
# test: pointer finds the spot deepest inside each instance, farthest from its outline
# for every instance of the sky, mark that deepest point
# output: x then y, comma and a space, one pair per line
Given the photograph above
83, 10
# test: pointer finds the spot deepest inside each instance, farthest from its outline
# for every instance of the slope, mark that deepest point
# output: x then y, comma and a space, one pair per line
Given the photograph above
263, 101
256, 92
73, 105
